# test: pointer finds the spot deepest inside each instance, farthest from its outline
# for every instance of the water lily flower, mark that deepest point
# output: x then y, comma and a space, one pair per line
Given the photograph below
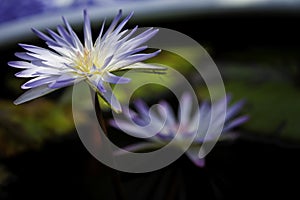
185, 126
68, 61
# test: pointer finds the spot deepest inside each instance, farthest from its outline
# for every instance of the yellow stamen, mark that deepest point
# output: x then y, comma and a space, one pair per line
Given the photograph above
84, 62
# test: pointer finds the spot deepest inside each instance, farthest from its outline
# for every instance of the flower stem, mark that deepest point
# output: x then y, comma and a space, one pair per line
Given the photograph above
115, 176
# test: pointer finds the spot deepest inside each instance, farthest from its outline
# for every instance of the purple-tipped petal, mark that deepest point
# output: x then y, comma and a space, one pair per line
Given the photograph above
97, 83
110, 98
218, 114
171, 119
39, 81
130, 129
185, 109
40, 53
63, 81
141, 122
193, 124
234, 109
32, 48
142, 38
75, 40
131, 52
28, 73
61, 84
199, 162
192, 153
98, 40
37, 71
20, 64
64, 34
107, 62
146, 67
88, 42
113, 24
44, 37
100, 86
59, 40
236, 122
137, 147
126, 37
25, 56
149, 120
133, 59
142, 108
205, 112
122, 24
33, 94
111, 78
143, 56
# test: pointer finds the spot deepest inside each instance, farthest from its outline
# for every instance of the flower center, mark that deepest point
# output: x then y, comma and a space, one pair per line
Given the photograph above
84, 62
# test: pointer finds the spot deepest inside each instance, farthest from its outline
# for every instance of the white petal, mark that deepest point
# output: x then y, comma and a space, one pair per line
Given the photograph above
138, 147
141, 66
184, 110
37, 71
33, 94
168, 112
130, 128
88, 42
111, 99
192, 153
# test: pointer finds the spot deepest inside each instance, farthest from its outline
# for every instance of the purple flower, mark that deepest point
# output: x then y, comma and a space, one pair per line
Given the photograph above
68, 61
188, 125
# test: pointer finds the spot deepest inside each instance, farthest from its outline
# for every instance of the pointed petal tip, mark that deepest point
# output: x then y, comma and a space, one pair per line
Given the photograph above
19, 54
244, 118
20, 100
64, 19
22, 45
118, 111
34, 30
18, 75
25, 45
24, 87
155, 30
116, 106
109, 98
200, 162
85, 14
193, 155
12, 63
17, 102
111, 78
119, 15
130, 14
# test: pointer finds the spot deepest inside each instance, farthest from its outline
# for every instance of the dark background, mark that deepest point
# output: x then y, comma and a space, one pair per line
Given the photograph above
254, 166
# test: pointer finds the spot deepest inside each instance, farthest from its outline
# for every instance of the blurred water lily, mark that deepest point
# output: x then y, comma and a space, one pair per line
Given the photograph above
187, 126
68, 61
